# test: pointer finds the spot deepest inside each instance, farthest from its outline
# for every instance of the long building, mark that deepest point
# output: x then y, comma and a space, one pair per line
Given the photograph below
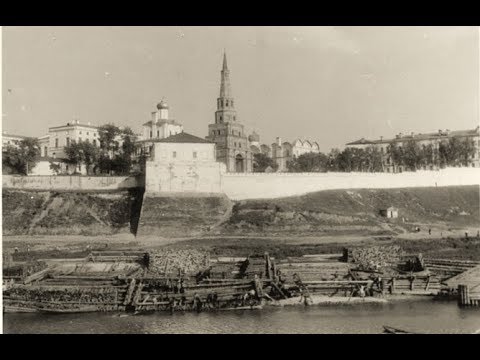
423, 140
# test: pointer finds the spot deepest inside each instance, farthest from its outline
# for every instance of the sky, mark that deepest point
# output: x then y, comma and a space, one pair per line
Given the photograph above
332, 85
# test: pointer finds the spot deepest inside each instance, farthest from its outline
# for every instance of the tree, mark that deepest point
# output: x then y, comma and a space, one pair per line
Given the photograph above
411, 155
21, 159
309, 162
262, 161
107, 138
374, 159
82, 153
467, 151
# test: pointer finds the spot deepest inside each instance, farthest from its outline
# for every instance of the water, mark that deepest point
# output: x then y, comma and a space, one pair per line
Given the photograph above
423, 316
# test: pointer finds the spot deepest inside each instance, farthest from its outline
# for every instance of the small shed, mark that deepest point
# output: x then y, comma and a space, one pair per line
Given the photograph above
391, 212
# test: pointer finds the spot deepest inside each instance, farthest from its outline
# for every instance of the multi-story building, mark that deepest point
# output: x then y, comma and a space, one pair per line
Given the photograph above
423, 140
10, 139
64, 135
232, 145
283, 152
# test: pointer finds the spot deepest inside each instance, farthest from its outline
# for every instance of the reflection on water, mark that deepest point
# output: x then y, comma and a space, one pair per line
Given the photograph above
416, 316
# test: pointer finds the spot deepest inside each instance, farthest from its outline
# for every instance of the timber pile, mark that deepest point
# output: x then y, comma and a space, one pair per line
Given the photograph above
311, 268
374, 257
168, 261
448, 268
22, 271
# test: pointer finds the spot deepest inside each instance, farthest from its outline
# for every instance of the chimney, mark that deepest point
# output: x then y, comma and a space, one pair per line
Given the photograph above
279, 141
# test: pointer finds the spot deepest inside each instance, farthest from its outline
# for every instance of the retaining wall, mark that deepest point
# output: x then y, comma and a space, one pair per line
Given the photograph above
273, 185
71, 183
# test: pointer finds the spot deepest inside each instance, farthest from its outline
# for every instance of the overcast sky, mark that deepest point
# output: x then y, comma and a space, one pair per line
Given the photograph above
330, 84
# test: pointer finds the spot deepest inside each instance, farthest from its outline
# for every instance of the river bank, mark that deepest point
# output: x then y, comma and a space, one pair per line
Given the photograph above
420, 316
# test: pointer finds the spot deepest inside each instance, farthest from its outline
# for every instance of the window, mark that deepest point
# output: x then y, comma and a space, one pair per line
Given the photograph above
233, 117
88, 133
220, 117
235, 144
240, 145
227, 103
56, 143
95, 142
88, 140
219, 132
194, 154
80, 132
67, 141
174, 155
94, 134
158, 133
150, 134
45, 151
170, 133
231, 103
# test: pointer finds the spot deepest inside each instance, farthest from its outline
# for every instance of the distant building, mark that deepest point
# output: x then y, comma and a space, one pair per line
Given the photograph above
232, 145
284, 152
64, 135
423, 140
10, 139
390, 212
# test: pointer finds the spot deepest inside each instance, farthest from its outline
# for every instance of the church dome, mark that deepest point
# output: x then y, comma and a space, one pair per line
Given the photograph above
162, 105
254, 137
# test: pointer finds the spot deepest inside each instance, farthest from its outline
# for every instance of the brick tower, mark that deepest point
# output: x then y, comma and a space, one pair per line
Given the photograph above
232, 146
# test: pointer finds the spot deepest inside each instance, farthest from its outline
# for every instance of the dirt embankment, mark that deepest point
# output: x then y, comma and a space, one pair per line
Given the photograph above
357, 212
70, 213
177, 216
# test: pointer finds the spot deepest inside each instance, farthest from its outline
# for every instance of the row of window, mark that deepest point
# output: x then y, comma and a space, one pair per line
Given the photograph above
80, 133
158, 133
221, 118
226, 102
174, 154
219, 132
67, 141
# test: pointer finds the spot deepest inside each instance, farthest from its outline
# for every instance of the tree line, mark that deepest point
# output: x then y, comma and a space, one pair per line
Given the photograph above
411, 156
113, 156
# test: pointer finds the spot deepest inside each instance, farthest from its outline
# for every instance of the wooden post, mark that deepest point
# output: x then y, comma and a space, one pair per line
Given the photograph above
463, 295
268, 266
392, 287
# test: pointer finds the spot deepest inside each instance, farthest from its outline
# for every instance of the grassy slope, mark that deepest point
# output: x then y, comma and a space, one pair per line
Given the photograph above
357, 211
65, 213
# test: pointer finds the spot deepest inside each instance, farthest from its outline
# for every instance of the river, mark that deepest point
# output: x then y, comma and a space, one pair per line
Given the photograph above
424, 316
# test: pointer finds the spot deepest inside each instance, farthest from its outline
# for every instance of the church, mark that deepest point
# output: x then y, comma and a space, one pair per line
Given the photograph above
232, 145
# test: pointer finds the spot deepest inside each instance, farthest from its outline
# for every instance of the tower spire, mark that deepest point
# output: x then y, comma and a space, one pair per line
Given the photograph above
225, 67
225, 88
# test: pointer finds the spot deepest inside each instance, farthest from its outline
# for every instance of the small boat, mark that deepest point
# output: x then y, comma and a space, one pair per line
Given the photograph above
392, 330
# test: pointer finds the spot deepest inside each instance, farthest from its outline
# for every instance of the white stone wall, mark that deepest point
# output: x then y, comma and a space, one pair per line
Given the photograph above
272, 185
184, 177
70, 183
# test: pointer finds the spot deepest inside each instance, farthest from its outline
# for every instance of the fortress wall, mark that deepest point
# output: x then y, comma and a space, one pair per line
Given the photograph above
71, 183
272, 185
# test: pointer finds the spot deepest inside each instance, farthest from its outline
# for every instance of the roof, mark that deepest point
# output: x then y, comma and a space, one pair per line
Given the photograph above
161, 122
69, 125
419, 137
180, 138
362, 141
15, 136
